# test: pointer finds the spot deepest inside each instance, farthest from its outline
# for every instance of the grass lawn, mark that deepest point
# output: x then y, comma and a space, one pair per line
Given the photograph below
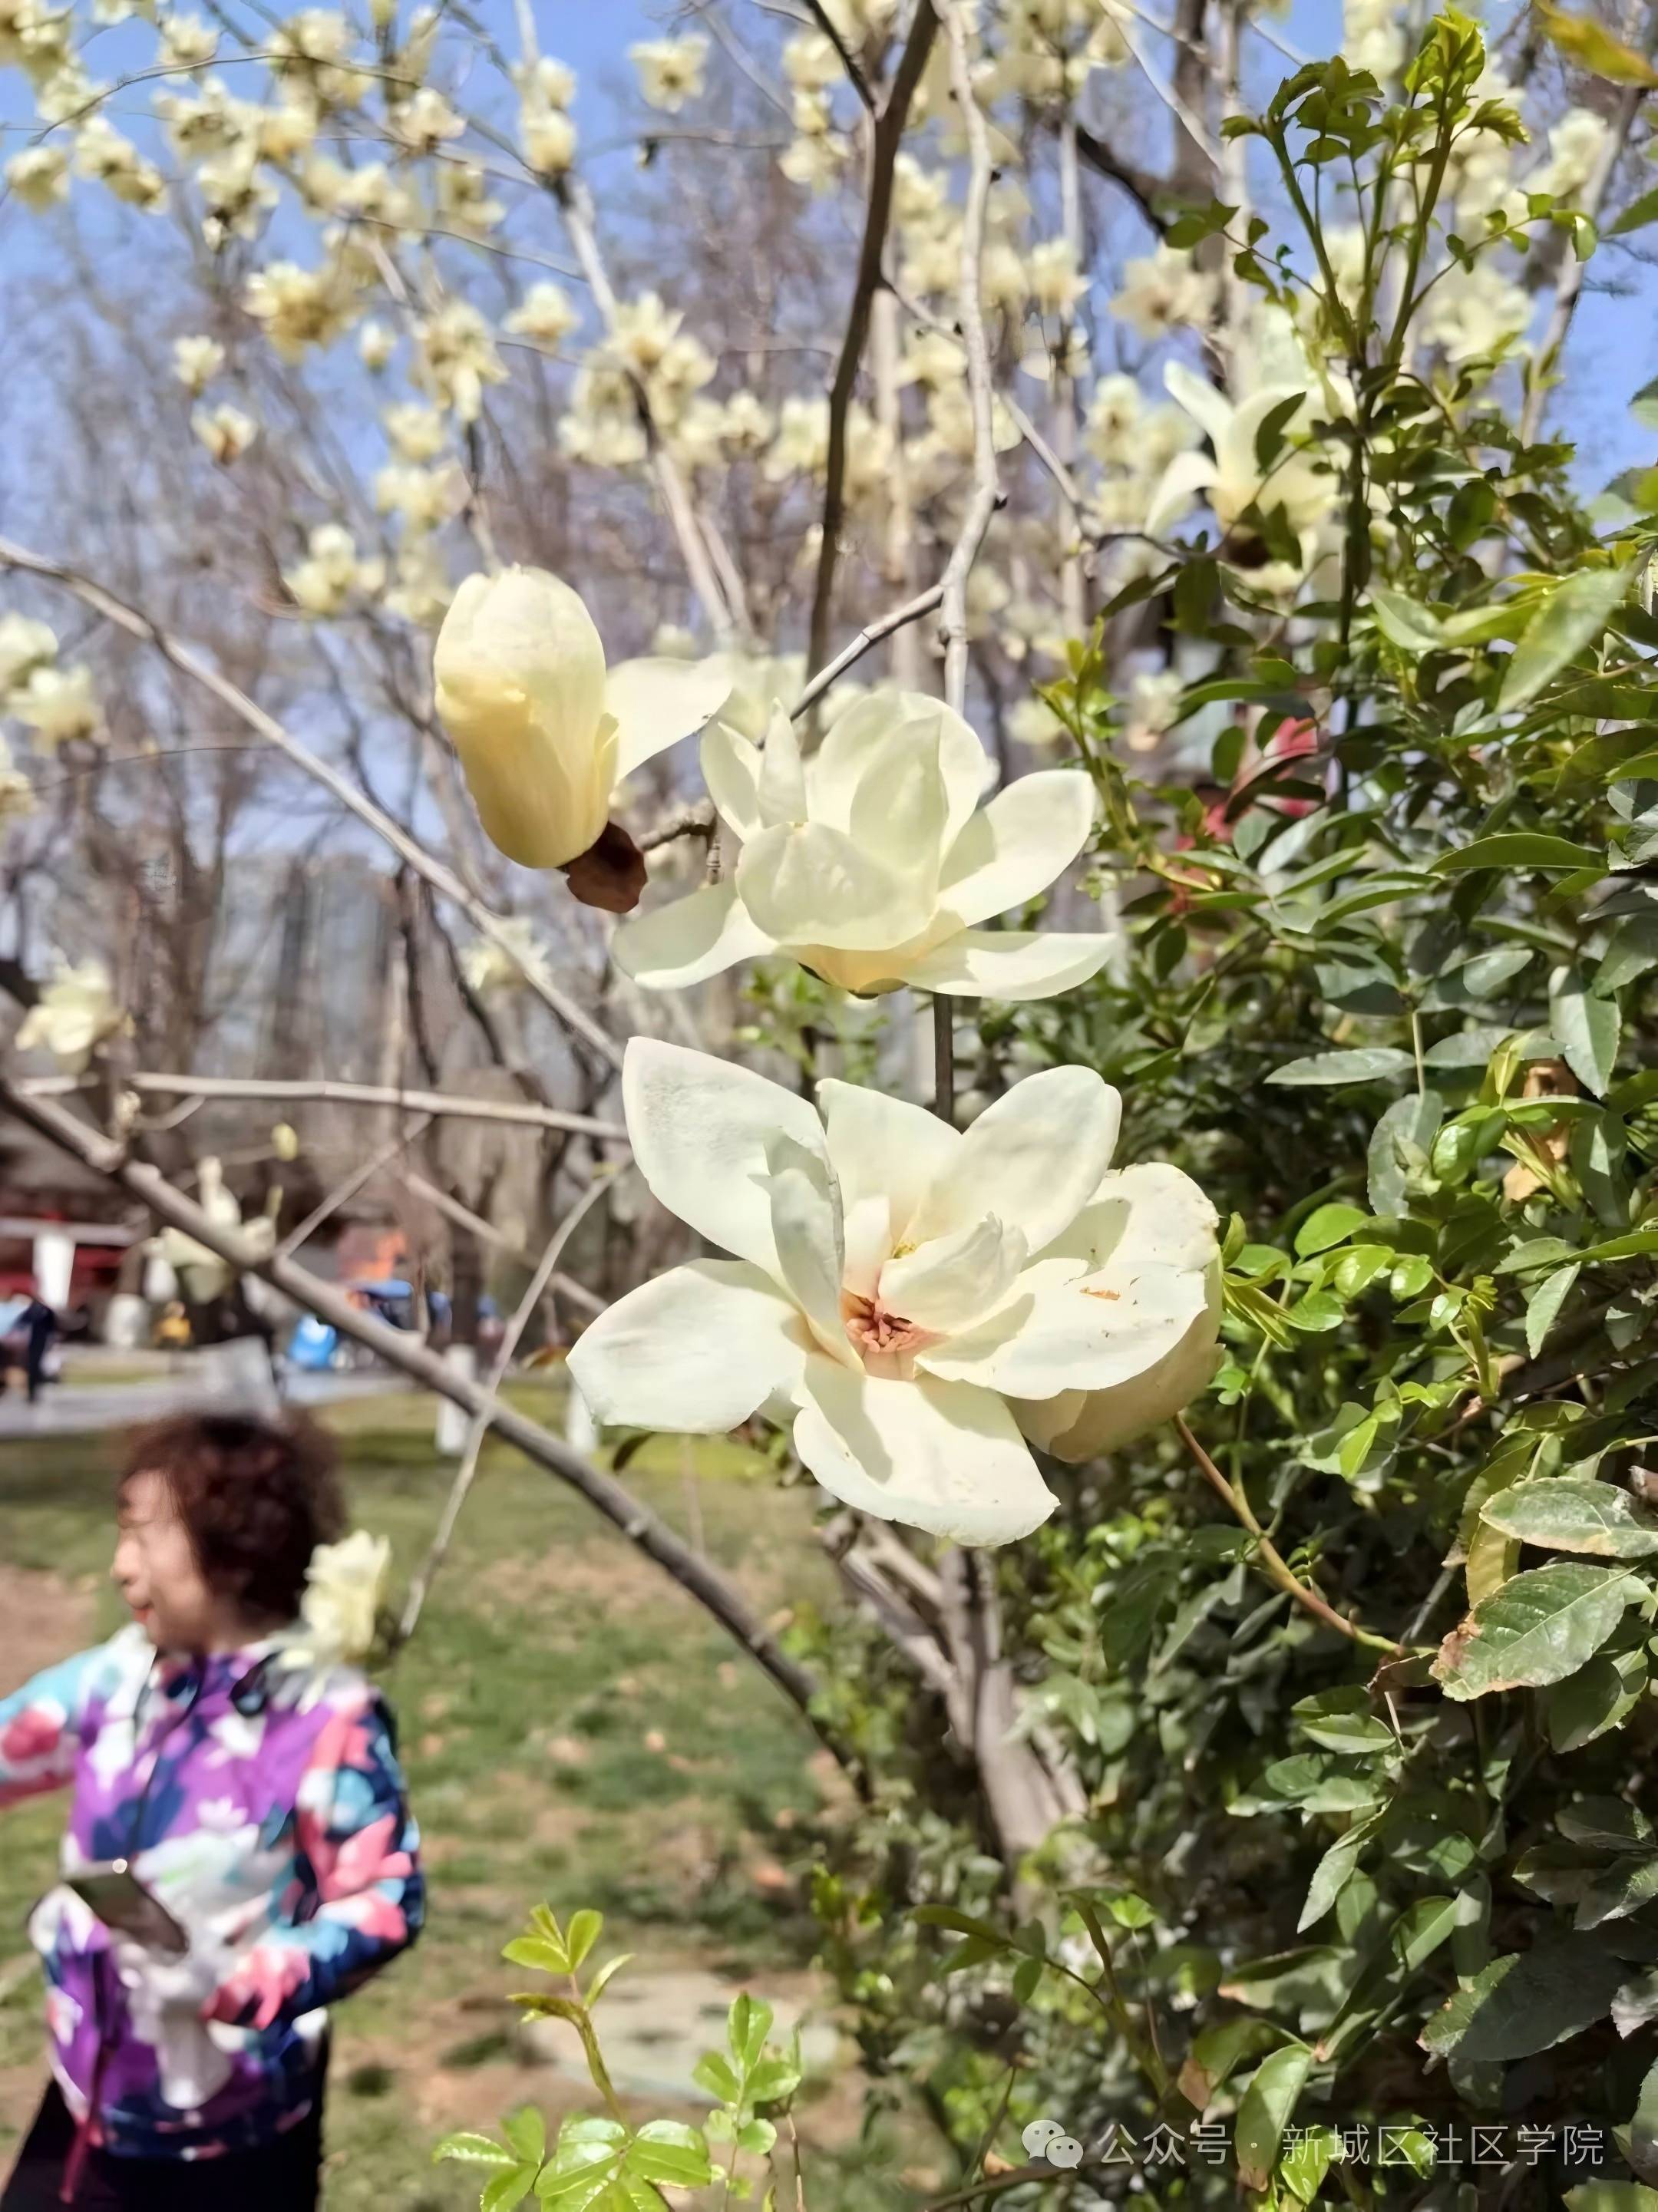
574, 1728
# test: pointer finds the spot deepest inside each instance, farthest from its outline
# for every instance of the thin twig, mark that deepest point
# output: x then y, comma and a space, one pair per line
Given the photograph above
870, 635
443, 880
885, 138
448, 1105
855, 76
342, 1192
1270, 1558
981, 501
422, 1585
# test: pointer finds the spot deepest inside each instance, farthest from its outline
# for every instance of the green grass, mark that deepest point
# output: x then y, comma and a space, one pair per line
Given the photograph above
573, 1728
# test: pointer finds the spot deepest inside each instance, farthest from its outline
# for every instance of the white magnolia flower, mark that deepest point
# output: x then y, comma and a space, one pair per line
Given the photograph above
1232, 478
16, 792
57, 704
25, 646
332, 574
1471, 312
869, 864
1164, 290
897, 1290
74, 1013
548, 138
376, 346
344, 1588
196, 362
225, 431
546, 314
38, 177
670, 71
1056, 282
1154, 697
544, 736
488, 965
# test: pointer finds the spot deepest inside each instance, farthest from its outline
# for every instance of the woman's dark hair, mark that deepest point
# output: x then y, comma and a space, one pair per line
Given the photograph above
256, 1496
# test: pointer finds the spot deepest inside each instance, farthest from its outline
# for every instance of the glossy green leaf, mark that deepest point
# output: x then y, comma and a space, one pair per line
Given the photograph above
1539, 1627
1572, 617
1265, 2110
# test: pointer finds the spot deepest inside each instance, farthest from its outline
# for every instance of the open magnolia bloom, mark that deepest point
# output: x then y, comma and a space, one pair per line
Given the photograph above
901, 1293
74, 1013
869, 864
1232, 478
545, 735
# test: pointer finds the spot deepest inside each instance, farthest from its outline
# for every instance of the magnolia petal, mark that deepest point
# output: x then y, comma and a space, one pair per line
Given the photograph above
731, 769
844, 758
900, 809
1206, 405
1014, 848
1186, 478
689, 939
953, 1281
656, 702
936, 1456
1151, 1215
1078, 1425
869, 1240
806, 1227
1033, 1159
782, 788
812, 885
1086, 1334
884, 1147
700, 1129
1007, 964
696, 1351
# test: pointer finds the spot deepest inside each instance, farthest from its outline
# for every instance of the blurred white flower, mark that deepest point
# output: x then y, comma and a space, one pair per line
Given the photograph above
1154, 697
38, 177
57, 704
25, 644
332, 574
671, 70
1233, 479
1164, 291
225, 431
74, 1013
546, 313
16, 792
376, 346
196, 362
345, 1586
490, 966
1056, 282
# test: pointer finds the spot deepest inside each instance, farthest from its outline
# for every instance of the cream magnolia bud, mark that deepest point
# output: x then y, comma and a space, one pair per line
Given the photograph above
520, 689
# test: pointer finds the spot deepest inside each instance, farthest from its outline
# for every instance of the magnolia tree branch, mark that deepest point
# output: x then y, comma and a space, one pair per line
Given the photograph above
886, 136
870, 635
983, 496
439, 1103
420, 1586
442, 879
726, 620
400, 1349
855, 76
1140, 185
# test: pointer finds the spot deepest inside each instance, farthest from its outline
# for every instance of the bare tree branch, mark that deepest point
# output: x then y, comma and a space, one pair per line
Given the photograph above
885, 136
449, 1103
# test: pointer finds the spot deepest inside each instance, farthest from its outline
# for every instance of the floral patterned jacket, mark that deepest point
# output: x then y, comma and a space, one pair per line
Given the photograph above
259, 1795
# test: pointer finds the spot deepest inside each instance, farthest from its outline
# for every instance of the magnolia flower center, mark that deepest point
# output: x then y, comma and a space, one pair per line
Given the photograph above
885, 1341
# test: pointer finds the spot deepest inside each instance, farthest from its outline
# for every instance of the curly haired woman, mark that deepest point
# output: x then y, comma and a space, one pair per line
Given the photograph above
249, 1779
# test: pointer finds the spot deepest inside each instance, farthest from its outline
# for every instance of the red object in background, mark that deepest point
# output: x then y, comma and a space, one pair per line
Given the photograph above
1288, 742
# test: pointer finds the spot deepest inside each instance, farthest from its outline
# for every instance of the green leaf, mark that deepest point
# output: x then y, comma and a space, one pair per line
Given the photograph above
1589, 1027
538, 1952
1270, 435
581, 1936
508, 2190
1218, 2052
1636, 215
1539, 1627
1405, 622
714, 2072
1316, 1313
1543, 1306
1611, 2196
1592, 47
1562, 1514
747, 2027
1342, 1720
1516, 848
1597, 1698
1572, 617
1334, 1870
1528, 2001
669, 2150
1328, 1225
1264, 2112
527, 2132
473, 2150
1625, 1887
1365, 1065
1302, 2167
1420, 1930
